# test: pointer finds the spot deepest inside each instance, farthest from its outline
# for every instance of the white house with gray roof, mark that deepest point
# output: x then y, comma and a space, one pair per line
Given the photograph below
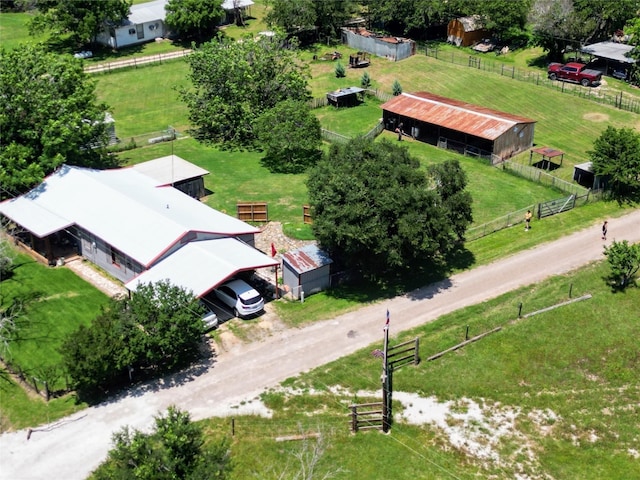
135, 228
144, 24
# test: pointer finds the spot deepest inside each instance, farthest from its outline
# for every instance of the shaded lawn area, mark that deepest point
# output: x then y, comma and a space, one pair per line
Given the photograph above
57, 302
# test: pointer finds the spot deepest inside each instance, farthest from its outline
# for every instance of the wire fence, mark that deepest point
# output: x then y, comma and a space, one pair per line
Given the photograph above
149, 138
614, 98
542, 177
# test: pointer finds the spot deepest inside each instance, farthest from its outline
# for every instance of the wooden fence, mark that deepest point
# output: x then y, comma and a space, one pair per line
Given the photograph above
366, 416
253, 211
306, 215
404, 354
136, 62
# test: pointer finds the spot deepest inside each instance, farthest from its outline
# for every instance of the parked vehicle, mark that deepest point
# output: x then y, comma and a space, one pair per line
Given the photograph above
574, 72
241, 297
209, 317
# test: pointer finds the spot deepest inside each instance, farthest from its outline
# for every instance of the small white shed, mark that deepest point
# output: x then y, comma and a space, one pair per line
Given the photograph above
306, 270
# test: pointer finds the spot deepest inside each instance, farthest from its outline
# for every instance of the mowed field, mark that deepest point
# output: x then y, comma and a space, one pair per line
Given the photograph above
150, 103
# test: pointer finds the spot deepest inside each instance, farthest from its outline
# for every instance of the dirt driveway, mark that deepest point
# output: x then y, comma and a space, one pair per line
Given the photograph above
74, 446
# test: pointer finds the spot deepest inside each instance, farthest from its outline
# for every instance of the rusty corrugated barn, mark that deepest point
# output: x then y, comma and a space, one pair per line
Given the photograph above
464, 127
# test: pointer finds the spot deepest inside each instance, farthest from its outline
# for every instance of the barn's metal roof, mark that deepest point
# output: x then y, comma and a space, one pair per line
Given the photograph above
169, 170
306, 258
203, 265
449, 113
122, 207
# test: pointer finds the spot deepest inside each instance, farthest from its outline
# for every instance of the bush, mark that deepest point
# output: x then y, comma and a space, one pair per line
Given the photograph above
365, 81
397, 88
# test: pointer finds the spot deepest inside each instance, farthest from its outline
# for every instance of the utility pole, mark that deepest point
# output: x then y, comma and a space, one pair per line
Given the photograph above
386, 381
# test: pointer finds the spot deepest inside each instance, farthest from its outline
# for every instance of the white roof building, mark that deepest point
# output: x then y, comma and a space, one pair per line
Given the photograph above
150, 224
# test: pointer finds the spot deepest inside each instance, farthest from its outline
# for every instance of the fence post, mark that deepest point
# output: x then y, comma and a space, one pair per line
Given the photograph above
354, 419
233, 426
416, 357
570, 289
520, 310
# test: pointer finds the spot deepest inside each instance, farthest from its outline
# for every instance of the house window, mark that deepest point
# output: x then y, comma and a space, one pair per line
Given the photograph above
116, 257
132, 31
151, 27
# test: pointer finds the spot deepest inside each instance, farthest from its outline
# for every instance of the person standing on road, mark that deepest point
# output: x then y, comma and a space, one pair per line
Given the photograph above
527, 220
604, 230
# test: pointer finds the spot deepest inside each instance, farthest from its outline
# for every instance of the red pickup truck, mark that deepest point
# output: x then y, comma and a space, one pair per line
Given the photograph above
574, 72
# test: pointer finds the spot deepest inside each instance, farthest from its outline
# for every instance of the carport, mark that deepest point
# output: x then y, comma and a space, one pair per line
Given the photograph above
201, 266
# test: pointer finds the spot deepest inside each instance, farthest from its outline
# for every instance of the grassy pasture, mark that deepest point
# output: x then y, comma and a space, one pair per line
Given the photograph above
576, 366
13, 30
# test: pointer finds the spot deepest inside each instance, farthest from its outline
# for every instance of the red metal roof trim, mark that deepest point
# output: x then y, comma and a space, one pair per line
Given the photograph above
548, 152
454, 114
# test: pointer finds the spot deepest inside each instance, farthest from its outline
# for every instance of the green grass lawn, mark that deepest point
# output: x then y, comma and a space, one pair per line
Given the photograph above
14, 31
145, 100
576, 366
57, 301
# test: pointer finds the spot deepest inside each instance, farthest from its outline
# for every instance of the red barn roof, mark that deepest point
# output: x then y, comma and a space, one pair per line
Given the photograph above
449, 113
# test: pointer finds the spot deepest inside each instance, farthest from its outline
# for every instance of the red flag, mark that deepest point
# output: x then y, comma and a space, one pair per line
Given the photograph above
273, 250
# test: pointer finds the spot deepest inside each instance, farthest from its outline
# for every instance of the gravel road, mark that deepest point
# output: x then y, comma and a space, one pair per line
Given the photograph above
74, 446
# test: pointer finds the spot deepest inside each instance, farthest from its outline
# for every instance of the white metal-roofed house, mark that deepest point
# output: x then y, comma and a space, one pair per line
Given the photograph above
145, 23
122, 221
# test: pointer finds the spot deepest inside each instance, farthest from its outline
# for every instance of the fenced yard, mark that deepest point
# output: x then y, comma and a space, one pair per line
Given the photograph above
610, 97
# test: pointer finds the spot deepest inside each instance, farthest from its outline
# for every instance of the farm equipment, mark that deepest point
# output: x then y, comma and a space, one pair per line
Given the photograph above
359, 60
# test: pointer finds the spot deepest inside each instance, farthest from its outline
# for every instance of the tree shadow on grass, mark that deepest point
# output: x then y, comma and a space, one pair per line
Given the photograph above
418, 281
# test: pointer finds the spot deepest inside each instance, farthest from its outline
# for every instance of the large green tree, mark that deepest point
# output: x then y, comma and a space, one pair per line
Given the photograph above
375, 209
450, 181
325, 17
98, 356
157, 330
291, 137
194, 18
171, 319
233, 83
175, 449
83, 19
560, 24
616, 156
49, 115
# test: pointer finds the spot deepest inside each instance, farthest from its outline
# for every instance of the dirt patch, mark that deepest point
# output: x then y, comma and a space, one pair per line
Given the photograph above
596, 117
